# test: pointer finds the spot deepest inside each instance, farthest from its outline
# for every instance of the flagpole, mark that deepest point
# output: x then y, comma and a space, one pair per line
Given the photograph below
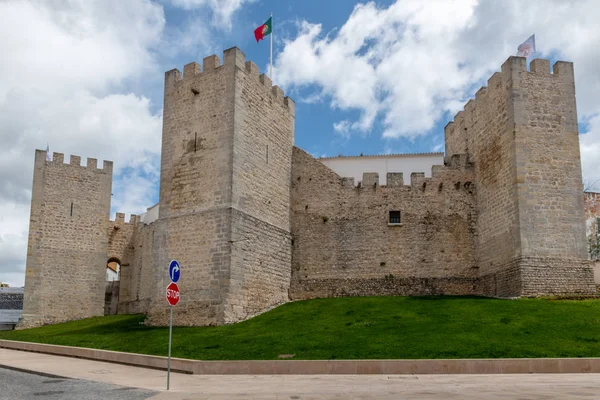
271, 52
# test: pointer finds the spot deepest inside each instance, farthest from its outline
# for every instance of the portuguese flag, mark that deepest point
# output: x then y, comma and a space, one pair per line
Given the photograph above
263, 30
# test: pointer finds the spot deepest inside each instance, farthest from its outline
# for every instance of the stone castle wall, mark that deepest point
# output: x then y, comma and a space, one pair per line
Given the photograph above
66, 254
260, 219
130, 243
481, 131
255, 221
344, 246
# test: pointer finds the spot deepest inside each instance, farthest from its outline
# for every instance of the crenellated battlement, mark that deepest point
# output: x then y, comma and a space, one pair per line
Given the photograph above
119, 220
457, 171
233, 58
512, 73
58, 159
395, 179
456, 175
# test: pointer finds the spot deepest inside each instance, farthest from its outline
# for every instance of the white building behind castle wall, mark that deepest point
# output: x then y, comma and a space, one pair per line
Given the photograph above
150, 215
355, 166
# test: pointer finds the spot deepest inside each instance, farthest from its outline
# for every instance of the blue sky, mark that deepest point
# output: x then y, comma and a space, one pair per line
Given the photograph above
86, 77
314, 122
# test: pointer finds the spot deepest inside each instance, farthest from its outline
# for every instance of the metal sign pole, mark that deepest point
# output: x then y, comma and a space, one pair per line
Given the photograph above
169, 359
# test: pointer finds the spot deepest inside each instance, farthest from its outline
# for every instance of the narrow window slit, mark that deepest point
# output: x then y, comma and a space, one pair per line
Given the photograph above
195, 140
71, 209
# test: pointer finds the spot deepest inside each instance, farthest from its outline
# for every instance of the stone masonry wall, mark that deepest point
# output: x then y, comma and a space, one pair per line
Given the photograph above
549, 182
139, 288
226, 167
521, 133
201, 244
66, 255
263, 141
195, 192
197, 138
483, 130
121, 237
344, 246
262, 164
261, 260
131, 244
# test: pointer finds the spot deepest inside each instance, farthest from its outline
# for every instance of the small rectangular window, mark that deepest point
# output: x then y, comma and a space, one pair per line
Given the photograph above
394, 217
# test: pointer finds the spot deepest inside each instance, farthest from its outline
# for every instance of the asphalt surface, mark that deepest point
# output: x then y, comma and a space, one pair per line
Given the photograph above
16, 385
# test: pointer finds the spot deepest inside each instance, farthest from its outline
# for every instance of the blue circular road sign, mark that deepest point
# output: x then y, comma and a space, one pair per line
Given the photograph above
174, 271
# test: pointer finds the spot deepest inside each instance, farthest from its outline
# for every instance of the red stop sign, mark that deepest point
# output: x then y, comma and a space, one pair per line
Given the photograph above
173, 294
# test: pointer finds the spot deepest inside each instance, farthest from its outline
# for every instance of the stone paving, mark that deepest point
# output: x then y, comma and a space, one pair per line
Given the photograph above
313, 387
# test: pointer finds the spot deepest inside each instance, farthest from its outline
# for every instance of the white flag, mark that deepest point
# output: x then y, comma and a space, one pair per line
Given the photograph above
48, 156
527, 48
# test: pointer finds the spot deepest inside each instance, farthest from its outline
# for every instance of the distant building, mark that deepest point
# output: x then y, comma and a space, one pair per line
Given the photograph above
406, 164
11, 307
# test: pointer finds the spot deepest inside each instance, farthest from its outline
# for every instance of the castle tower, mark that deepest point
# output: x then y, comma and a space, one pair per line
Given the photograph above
224, 192
521, 134
66, 253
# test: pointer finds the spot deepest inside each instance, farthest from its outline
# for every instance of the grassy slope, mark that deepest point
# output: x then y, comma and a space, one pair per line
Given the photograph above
351, 328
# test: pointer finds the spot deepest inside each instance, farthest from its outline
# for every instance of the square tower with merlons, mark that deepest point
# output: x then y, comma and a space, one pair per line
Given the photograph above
522, 135
68, 240
224, 192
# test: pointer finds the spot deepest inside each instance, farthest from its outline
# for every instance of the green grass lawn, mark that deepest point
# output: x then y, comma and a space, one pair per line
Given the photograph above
358, 327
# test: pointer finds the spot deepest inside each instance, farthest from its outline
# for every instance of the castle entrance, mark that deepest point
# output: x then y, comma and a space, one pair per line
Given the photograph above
111, 286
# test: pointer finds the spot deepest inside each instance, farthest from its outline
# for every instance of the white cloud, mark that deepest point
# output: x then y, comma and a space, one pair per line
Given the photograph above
223, 10
414, 62
89, 44
65, 68
313, 98
342, 127
383, 62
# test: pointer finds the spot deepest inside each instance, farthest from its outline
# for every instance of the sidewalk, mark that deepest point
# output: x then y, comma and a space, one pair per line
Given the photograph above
305, 387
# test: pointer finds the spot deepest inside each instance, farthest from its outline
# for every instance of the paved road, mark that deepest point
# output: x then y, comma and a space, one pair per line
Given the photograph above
15, 385
115, 378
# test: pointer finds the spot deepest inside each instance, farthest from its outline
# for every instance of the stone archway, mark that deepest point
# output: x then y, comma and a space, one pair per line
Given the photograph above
112, 285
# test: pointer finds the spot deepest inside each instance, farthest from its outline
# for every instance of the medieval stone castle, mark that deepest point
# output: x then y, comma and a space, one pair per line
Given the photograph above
256, 222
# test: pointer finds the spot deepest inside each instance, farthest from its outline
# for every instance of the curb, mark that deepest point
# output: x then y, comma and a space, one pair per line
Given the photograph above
179, 365
29, 371
318, 367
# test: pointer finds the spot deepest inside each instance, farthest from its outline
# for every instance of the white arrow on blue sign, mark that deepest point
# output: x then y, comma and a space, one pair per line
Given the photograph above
174, 271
